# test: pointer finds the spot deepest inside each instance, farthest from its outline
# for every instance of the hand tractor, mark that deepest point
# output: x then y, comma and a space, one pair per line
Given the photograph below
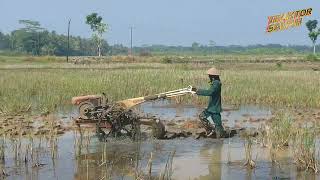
118, 118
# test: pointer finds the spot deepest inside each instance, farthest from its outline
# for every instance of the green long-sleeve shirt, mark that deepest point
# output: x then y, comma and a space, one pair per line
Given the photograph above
214, 92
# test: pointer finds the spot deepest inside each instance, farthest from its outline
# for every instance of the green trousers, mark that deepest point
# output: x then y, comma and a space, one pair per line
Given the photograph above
208, 119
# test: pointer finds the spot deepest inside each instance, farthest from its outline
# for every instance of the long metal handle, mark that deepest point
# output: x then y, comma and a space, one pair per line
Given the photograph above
128, 103
178, 92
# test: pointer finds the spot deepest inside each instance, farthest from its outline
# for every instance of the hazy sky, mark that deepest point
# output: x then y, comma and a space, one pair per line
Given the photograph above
169, 22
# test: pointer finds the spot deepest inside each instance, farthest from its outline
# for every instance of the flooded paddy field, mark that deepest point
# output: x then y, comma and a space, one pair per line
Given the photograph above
193, 159
74, 155
276, 118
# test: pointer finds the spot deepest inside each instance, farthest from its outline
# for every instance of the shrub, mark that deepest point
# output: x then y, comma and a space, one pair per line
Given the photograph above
145, 53
281, 130
305, 150
312, 57
279, 65
167, 60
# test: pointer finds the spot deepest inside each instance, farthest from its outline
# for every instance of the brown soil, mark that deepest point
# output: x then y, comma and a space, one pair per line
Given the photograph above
25, 125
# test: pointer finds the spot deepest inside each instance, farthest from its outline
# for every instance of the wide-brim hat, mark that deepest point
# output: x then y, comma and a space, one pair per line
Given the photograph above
213, 71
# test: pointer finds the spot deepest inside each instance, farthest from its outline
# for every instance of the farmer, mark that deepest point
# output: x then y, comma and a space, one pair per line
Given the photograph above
211, 115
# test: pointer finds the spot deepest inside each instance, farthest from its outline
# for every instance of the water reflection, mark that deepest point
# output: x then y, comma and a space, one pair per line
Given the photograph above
87, 158
213, 153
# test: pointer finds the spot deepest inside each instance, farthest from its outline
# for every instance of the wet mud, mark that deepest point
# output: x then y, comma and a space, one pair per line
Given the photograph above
28, 125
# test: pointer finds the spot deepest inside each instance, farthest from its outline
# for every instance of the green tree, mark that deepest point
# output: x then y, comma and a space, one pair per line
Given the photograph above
28, 38
23, 41
98, 27
195, 46
32, 39
4, 41
313, 33
31, 26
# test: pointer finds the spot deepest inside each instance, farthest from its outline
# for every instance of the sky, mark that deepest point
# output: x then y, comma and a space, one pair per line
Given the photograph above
167, 22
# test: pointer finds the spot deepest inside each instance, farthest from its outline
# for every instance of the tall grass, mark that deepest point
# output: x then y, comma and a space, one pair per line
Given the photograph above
160, 58
30, 59
249, 162
284, 133
46, 89
281, 131
306, 154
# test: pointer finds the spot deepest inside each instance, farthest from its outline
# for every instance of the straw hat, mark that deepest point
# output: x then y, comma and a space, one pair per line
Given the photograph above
213, 71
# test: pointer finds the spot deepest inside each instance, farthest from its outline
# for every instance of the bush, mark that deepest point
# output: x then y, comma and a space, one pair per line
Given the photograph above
29, 59
279, 65
312, 57
167, 60
145, 54
281, 130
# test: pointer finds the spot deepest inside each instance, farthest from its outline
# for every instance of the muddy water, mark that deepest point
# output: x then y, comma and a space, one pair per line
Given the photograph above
85, 157
244, 116
193, 159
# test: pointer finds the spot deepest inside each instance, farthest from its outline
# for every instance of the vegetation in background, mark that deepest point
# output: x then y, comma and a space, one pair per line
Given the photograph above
312, 57
45, 89
30, 36
167, 60
209, 49
98, 27
313, 33
35, 40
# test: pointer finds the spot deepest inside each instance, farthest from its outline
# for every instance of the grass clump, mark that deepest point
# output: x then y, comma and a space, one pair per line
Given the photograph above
284, 133
249, 162
279, 65
281, 130
278, 134
305, 152
167, 60
312, 57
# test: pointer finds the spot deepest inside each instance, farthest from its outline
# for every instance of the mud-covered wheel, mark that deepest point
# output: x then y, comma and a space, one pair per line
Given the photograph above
133, 129
84, 109
136, 132
158, 129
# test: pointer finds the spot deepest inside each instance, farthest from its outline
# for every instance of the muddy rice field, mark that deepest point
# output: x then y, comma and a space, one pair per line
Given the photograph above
272, 110
50, 146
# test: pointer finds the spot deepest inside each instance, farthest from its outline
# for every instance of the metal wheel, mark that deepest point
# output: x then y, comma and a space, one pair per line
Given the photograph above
133, 131
84, 109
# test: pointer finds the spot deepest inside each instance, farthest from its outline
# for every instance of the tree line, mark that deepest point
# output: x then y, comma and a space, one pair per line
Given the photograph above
35, 40
202, 49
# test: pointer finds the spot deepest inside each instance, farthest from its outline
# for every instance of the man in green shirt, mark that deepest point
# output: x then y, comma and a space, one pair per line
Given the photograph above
212, 113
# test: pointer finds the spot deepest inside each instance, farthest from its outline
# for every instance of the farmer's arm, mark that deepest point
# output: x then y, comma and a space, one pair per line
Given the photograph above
208, 92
